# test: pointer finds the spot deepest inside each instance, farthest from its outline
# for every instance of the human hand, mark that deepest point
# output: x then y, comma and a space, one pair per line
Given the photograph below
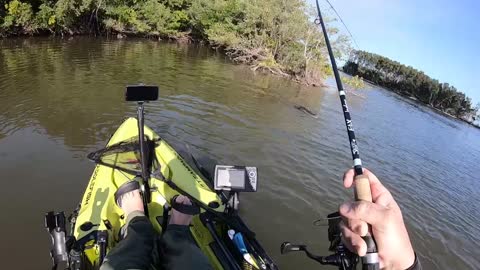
384, 215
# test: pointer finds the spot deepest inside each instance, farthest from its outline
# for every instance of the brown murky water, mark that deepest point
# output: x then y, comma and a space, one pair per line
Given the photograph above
61, 99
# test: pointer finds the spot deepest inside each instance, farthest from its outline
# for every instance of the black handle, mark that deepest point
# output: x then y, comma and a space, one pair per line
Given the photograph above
370, 261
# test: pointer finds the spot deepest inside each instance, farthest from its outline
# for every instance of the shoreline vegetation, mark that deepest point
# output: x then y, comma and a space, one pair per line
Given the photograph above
413, 84
275, 36
269, 35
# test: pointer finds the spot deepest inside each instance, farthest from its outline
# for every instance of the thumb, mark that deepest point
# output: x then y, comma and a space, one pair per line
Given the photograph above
371, 213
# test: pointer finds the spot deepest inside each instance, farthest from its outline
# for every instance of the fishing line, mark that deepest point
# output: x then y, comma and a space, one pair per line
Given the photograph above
319, 221
345, 25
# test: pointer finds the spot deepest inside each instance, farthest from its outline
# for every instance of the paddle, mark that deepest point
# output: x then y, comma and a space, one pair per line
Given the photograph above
362, 186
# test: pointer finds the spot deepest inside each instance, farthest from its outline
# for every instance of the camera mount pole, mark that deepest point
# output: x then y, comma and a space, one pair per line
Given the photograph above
143, 157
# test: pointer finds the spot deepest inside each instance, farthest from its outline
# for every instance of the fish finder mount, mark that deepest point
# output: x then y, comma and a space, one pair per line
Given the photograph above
232, 180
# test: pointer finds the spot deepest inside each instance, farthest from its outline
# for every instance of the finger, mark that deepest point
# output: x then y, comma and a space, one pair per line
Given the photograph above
357, 226
376, 187
379, 193
348, 178
353, 241
371, 213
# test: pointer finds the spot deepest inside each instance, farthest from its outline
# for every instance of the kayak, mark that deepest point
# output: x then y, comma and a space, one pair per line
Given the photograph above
136, 155
97, 223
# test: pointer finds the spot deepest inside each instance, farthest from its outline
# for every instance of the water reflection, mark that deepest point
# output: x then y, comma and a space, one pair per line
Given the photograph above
60, 99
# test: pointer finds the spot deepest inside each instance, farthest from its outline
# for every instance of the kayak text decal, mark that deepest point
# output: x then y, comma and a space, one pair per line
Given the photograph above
91, 186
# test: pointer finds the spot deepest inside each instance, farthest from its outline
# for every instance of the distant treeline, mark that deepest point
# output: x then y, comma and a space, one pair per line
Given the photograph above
408, 81
274, 35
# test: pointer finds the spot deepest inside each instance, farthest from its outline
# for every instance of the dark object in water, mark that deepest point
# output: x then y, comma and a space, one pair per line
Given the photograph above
306, 110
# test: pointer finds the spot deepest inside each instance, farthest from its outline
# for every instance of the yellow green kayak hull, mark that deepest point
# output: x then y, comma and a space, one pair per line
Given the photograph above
99, 208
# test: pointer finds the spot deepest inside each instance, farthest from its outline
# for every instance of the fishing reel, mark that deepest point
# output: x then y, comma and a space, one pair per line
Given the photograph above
342, 257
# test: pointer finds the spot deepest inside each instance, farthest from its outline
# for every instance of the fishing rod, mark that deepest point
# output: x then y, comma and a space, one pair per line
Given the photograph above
362, 186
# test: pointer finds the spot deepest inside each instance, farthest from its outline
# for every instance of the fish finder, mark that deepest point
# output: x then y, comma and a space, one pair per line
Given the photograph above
235, 178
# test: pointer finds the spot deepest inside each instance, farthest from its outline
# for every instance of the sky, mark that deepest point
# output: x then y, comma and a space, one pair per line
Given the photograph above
439, 37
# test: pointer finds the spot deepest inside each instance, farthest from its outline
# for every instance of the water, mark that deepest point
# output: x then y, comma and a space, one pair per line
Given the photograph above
61, 99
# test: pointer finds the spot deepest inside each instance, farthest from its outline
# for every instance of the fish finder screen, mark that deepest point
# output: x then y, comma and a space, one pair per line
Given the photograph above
234, 178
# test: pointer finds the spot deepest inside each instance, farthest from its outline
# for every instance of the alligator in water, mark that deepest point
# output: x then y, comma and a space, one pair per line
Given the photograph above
306, 110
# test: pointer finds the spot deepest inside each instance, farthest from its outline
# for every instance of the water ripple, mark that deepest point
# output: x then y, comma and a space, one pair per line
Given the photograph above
60, 99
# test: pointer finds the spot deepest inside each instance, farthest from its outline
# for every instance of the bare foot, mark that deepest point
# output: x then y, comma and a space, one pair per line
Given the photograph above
179, 218
131, 201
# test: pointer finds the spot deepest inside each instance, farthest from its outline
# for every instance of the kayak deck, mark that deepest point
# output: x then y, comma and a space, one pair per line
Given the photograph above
99, 208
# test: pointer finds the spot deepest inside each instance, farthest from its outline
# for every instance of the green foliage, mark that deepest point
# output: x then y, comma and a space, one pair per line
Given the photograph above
123, 18
152, 17
18, 14
66, 13
157, 16
45, 17
212, 18
356, 82
409, 81
276, 35
259, 32
223, 35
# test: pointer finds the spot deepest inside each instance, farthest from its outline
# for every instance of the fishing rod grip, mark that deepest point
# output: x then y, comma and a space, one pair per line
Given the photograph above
362, 188
363, 193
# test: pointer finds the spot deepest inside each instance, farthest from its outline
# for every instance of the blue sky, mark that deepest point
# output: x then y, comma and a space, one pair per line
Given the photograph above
439, 37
